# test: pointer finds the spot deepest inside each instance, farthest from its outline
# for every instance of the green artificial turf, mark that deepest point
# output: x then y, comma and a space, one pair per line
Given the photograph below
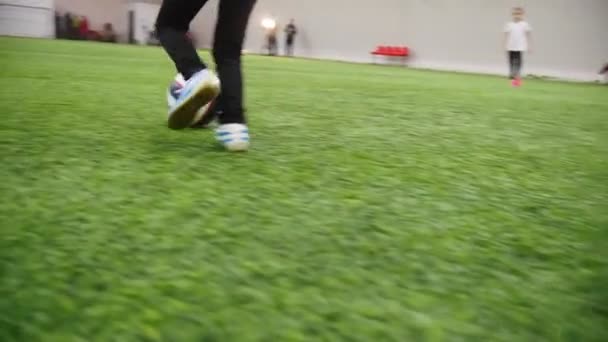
377, 204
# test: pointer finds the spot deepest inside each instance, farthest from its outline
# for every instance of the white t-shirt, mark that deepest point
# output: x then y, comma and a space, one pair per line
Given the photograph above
517, 39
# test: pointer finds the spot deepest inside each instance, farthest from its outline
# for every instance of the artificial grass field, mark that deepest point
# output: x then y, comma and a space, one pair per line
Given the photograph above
377, 204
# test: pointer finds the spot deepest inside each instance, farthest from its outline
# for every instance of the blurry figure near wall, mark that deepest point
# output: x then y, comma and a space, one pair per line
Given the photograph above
290, 36
152, 39
76, 27
68, 22
602, 76
517, 42
271, 40
83, 28
58, 23
108, 35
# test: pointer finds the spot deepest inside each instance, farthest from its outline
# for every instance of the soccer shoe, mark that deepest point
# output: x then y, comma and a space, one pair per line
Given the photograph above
234, 137
198, 91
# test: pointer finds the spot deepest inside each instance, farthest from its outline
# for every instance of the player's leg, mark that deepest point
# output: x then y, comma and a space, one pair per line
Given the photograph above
518, 64
202, 86
289, 47
172, 25
273, 46
511, 57
230, 30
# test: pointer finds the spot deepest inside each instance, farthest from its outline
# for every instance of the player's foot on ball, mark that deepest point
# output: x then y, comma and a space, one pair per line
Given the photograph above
234, 137
199, 90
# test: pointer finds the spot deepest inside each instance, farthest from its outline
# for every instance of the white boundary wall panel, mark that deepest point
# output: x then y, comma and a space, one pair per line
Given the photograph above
144, 19
460, 35
27, 18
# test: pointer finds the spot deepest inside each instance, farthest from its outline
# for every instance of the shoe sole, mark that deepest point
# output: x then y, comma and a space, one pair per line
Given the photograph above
242, 146
184, 115
202, 120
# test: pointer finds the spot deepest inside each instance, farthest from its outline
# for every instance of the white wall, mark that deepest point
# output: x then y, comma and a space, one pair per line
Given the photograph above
464, 35
27, 18
100, 12
144, 19
570, 35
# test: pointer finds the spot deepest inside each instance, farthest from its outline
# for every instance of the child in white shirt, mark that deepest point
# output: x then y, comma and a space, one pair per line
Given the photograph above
518, 36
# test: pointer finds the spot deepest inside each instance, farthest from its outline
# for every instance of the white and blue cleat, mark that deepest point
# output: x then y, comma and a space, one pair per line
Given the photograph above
196, 93
234, 137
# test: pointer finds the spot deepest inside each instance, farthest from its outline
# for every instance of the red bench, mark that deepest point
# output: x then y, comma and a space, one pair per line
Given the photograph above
391, 51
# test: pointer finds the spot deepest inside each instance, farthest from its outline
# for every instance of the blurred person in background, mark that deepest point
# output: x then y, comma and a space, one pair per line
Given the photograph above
270, 26
68, 25
58, 25
83, 28
518, 37
152, 39
76, 26
107, 34
271, 40
602, 76
290, 36
203, 90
